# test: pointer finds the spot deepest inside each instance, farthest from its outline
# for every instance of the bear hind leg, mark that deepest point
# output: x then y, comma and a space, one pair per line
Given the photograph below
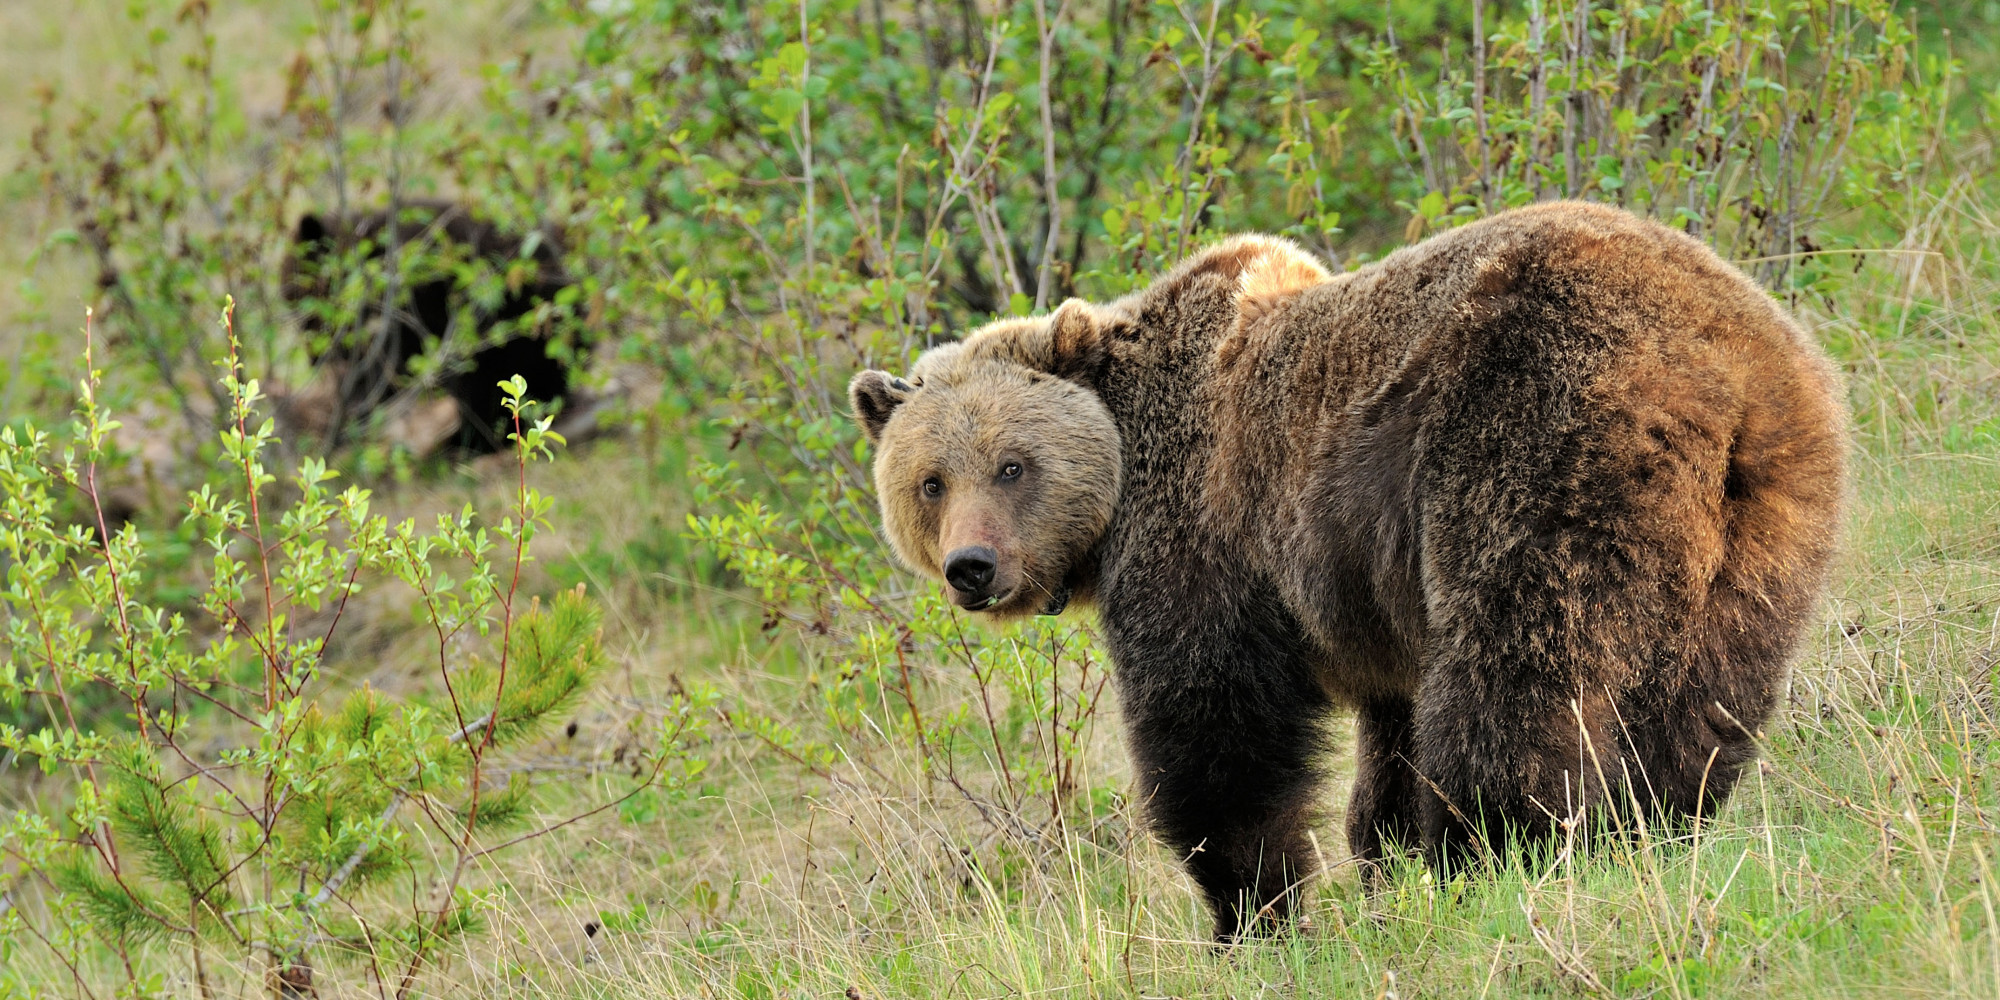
1511, 770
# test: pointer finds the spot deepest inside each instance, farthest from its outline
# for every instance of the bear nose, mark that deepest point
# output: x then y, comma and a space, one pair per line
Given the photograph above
970, 570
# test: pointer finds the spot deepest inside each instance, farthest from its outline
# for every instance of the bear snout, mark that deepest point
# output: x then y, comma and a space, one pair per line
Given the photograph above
970, 570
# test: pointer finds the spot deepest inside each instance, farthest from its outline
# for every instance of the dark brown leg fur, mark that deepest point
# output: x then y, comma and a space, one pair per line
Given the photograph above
1383, 812
1226, 733
1232, 800
1511, 777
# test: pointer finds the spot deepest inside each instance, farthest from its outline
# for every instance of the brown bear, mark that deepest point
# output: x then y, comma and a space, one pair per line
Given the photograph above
364, 362
1547, 500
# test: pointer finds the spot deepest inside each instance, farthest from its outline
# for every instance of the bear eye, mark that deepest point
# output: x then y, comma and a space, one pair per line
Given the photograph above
933, 486
1012, 470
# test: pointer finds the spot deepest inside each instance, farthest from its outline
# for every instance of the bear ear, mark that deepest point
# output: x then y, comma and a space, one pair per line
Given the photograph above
312, 229
300, 273
1079, 342
312, 244
875, 396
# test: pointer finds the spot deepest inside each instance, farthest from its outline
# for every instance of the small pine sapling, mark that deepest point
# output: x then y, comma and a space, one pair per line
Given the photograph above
239, 813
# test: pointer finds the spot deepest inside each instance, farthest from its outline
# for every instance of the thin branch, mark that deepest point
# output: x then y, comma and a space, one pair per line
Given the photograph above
1045, 27
347, 868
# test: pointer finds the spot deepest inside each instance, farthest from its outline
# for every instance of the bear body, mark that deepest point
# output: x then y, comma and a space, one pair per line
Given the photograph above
1546, 500
363, 366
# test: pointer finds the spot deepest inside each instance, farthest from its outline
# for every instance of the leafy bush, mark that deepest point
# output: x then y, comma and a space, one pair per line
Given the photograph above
179, 195
1747, 123
254, 798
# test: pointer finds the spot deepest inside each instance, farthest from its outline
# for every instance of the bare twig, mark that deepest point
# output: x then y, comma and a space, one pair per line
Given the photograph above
1046, 30
1567, 961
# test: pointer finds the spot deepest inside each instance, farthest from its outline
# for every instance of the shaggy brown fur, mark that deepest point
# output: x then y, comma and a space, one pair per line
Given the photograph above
1547, 499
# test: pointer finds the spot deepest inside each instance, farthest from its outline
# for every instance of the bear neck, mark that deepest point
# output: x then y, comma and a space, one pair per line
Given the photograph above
1209, 404
1156, 384
1079, 584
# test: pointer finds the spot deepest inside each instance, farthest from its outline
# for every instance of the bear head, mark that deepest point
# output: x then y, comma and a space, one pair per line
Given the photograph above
997, 465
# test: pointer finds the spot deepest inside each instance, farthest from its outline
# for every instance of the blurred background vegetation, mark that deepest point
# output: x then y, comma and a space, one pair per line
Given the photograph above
762, 761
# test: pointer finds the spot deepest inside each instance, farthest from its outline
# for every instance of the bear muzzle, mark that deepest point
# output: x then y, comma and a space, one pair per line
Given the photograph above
969, 570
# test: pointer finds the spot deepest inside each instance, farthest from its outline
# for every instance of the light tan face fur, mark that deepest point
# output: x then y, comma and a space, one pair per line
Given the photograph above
978, 451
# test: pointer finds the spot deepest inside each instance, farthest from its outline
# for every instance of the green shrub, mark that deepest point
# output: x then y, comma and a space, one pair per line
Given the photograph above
250, 810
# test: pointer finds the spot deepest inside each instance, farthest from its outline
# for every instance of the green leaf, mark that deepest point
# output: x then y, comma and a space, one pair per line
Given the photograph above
783, 105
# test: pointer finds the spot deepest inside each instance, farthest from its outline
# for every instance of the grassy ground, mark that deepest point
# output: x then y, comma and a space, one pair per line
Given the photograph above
1858, 861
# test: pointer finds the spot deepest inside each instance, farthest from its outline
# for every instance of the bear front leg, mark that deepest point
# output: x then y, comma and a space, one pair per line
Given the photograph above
1384, 812
1227, 774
